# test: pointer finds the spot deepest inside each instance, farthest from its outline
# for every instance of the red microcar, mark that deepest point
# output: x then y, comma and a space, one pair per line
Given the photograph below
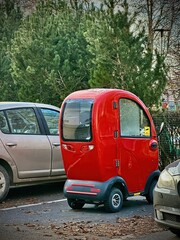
109, 148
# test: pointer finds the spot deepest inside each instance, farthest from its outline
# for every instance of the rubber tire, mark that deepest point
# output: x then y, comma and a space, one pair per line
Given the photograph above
114, 201
75, 203
149, 196
4, 183
175, 231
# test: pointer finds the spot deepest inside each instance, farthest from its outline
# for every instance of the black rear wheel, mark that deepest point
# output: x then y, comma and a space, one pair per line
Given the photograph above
114, 201
75, 203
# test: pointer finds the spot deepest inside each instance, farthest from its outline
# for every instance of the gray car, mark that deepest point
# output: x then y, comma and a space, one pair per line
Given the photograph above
167, 198
29, 145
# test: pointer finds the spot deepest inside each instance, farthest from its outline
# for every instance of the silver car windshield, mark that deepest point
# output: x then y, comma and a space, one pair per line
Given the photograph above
77, 120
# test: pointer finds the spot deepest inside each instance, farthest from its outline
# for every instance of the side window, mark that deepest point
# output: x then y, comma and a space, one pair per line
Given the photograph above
52, 119
3, 123
133, 120
23, 121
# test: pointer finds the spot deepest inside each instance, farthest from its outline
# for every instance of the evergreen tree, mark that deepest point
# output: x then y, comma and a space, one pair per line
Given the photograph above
10, 18
49, 55
61, 48
122, 58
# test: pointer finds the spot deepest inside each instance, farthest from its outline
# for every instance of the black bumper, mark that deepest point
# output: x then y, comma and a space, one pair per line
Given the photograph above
90, 191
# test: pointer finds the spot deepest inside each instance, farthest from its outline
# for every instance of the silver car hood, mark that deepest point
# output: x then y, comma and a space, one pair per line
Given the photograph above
174, 168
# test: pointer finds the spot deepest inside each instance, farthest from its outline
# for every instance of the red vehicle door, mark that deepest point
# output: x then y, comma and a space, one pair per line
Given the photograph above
137, 145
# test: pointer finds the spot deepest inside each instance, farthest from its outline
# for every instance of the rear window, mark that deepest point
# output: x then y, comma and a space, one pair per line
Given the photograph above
76, 120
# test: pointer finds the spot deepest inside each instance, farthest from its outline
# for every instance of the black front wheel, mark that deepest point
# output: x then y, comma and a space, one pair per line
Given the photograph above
175, 231
149, 196
114, 201
75, 203
4, 183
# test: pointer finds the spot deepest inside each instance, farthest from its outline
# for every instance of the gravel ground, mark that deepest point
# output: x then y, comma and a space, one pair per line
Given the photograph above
122, 228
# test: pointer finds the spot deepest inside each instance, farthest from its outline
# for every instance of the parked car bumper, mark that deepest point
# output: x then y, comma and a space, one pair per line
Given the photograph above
167, 208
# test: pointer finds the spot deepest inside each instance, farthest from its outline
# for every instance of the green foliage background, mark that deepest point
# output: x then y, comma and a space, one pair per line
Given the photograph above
10, 18
62, 48
169, 139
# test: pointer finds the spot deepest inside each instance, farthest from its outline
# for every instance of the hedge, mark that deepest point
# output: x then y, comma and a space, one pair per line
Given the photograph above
169, 139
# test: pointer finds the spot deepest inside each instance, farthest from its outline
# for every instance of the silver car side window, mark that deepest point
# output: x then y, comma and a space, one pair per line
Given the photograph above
23, 121
52, 119
3, 123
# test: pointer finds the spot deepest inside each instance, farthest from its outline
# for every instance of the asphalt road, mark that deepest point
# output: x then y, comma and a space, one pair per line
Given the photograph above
42, 207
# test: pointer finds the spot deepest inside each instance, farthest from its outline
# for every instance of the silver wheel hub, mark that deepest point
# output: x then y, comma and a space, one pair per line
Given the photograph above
116, 200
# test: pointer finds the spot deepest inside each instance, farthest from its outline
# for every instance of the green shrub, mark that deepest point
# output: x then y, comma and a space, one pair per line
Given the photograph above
169, 139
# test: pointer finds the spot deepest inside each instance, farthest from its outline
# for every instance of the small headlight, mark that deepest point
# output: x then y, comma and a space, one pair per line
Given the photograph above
166, 181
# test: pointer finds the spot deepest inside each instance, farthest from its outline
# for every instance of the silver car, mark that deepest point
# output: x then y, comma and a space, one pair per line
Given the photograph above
167, 198
29, 145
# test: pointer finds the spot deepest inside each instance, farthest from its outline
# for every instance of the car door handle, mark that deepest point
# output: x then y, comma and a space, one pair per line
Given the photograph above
11, 144
56, 144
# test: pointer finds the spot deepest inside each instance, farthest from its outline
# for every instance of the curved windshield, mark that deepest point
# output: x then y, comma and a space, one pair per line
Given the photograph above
76, 121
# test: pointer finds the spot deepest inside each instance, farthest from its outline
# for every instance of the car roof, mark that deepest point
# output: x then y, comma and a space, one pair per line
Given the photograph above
9, 105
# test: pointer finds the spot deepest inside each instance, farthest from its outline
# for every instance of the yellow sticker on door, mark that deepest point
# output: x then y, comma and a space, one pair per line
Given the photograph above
147, 131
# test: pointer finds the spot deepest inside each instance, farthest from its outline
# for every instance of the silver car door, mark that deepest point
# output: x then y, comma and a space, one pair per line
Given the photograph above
30, 149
